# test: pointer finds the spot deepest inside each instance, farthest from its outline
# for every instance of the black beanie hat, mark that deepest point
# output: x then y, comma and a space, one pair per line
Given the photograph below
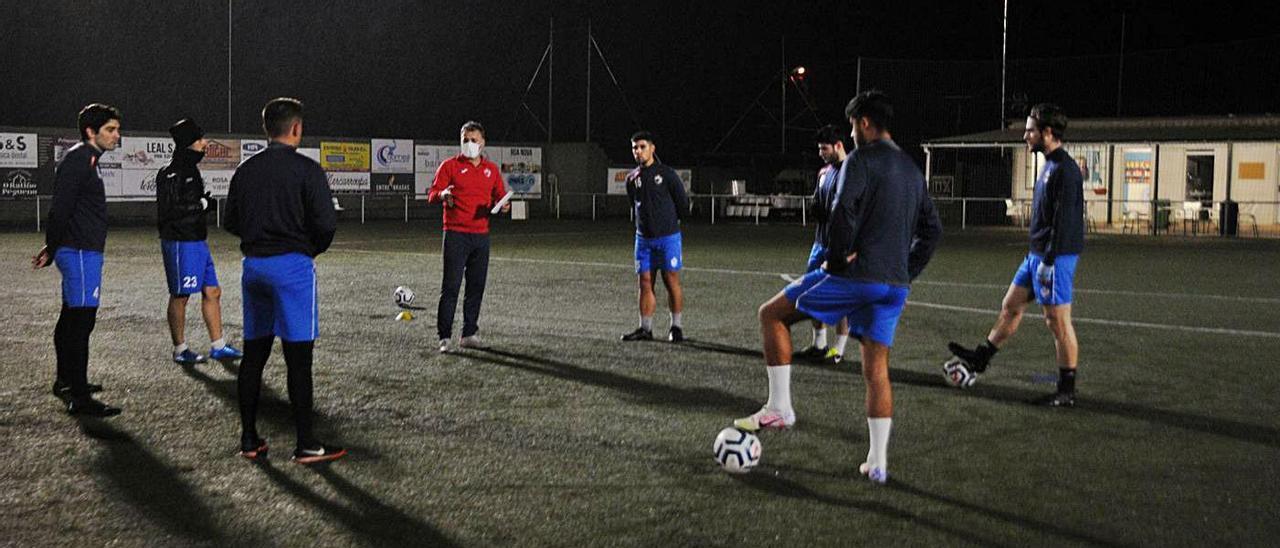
185, 132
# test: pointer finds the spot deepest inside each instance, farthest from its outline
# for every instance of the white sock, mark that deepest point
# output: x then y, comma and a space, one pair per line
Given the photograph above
675, 320
779, 388
646, 323
179, 348
218, 344
878, 454
820, 337
841, 340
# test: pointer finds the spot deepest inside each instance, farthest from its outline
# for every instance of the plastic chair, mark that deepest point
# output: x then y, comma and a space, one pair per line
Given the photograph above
1014, 212
1133, 215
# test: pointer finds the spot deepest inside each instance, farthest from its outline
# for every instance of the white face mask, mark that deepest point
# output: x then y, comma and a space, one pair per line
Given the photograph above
471, 150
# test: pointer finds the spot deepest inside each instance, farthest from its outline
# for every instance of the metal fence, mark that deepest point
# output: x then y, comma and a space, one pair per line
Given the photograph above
1129, 217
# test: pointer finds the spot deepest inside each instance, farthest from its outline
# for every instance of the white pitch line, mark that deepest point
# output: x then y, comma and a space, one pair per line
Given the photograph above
1260, 300
1123, 323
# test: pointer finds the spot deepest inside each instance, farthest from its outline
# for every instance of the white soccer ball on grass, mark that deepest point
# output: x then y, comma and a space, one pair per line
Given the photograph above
736, 451
403, 296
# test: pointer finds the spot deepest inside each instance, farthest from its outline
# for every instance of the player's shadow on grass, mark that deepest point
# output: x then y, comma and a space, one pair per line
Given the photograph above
723, 348
648, 391
1001, 515
374, 521
134, 475
1253, 433
779, 486
271, 407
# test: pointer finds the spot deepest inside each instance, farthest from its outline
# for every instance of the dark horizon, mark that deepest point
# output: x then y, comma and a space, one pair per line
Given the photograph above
687, 72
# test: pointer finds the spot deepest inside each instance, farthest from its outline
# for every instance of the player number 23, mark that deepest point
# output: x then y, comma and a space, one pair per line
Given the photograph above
188, 281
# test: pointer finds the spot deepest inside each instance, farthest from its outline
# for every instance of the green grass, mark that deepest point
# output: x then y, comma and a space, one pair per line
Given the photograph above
562, 435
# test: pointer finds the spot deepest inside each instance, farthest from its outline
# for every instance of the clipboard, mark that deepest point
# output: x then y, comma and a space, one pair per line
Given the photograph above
498, 206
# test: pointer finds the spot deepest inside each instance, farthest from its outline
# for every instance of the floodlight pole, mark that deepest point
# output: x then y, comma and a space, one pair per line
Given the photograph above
229, 66
551, 61
1004, 59
588, 139
1120, 77
785, 77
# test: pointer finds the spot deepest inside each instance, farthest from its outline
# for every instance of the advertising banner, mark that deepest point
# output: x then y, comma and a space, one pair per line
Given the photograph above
344, 156
426, 161
217, 181
17, 183
392, 183
137, 185
250, 147
618, 179
221, 154
18, 150
346, 183
112, 181
521, 168
392, 156
145, 153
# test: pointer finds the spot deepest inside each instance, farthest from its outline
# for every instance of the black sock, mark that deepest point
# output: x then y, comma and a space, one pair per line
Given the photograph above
986, 350
62, 344
249, 383
298, 356
1066, 381
71, 345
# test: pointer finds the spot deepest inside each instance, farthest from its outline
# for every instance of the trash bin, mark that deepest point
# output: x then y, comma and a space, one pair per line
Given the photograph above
1163, 209
1229, 218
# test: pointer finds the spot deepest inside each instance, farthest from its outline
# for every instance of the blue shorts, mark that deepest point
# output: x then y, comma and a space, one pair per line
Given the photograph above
81, 276
280, 298
817, 256
1056, 293
663, 253
873, 309
188, 267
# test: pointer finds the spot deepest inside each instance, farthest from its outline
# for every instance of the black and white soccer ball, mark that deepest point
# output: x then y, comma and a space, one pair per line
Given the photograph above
403, 296
737, 451
959, 373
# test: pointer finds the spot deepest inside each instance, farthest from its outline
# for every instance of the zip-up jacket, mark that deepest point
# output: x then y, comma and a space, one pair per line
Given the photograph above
884, 214
179, 188
658, 200
279, 202
78, 217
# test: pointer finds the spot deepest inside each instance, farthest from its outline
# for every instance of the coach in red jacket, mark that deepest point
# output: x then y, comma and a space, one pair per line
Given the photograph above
468, 185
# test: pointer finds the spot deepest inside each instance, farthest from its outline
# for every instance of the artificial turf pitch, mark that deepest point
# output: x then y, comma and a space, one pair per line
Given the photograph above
560, 434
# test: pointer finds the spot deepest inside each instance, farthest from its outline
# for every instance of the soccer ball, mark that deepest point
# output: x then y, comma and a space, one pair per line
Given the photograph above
737, 451
403, 296
958, 373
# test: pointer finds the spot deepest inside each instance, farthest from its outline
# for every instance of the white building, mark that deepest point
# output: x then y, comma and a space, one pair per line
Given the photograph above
1135, 166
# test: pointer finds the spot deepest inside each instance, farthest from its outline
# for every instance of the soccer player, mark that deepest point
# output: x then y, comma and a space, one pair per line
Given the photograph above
1048, 271
468, 185
882, 232
181, 203
831, 150
75, 238
280, 206
659, 203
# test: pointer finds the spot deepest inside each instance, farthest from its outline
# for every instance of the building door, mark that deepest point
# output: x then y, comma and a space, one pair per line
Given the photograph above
1200, 178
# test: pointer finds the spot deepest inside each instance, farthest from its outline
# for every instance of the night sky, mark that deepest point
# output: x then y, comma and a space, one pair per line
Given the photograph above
688, 70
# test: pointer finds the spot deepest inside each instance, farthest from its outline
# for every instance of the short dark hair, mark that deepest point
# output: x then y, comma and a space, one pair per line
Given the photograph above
828, 135
1050, 116
643, 135
472, 126
279, 114
873, 105
95, 116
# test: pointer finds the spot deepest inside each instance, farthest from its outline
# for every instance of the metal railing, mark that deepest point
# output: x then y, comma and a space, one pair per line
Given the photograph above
1258, 219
